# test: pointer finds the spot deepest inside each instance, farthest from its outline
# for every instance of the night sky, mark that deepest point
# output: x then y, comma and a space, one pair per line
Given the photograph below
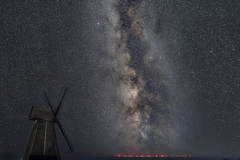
143, 76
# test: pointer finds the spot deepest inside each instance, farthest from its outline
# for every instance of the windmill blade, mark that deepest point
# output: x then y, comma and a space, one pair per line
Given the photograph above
48, 101
61, 101
58, 122
65, 136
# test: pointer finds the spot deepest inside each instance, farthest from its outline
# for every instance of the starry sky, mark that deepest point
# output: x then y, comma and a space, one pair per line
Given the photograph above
143, 76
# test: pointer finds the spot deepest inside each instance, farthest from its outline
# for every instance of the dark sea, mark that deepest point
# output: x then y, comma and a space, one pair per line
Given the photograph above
151, 158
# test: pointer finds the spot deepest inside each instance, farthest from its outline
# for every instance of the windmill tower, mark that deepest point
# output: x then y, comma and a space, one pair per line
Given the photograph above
42, 143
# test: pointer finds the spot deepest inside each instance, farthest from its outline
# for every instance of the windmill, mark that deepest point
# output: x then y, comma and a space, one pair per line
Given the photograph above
42, 143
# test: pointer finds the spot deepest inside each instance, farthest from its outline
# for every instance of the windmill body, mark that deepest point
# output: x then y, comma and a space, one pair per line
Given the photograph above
42, 143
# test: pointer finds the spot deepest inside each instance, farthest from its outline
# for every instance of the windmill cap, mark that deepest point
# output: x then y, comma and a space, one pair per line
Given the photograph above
41, 113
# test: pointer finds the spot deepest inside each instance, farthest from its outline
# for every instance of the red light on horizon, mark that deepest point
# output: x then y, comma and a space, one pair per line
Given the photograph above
152, 155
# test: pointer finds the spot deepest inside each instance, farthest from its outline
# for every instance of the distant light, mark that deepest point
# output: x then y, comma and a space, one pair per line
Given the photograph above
152, 155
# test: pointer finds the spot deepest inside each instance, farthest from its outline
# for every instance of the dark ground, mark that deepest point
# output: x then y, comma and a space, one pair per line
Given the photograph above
130, 158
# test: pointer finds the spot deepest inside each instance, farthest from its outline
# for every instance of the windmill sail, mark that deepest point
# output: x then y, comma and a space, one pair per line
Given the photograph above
65, 135
48, 102
61, 101
58, 122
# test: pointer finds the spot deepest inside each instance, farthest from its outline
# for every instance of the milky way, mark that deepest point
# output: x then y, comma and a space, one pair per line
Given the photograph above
144, 90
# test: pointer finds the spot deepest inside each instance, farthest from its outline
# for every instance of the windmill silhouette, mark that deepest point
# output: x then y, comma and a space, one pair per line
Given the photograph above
42, 143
